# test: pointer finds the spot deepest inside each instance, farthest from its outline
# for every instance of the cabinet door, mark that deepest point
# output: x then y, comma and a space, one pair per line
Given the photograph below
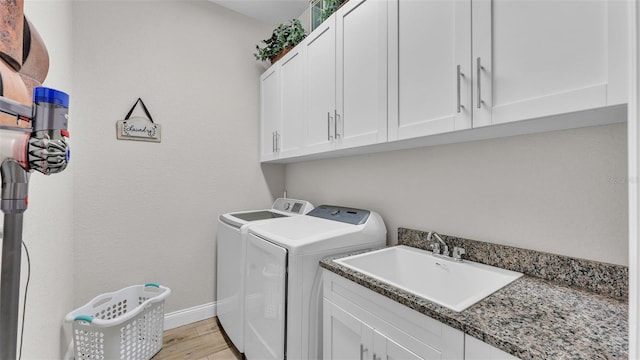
387, 349
475, 349
320, 47
433, 48
290, 141
344, 336
269, 112
539, 58
361, 73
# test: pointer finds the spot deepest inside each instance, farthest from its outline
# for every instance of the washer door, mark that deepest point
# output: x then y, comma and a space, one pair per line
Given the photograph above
266, 293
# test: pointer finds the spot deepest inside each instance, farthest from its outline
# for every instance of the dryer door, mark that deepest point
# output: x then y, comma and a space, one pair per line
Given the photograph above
266, 293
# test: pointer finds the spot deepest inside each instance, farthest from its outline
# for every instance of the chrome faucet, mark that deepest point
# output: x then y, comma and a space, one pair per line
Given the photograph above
436, 245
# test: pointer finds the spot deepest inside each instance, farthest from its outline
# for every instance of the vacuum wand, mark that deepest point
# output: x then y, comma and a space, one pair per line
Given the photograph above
42, 148
15, 183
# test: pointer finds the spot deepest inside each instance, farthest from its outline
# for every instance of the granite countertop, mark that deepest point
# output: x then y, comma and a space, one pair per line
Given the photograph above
531, 318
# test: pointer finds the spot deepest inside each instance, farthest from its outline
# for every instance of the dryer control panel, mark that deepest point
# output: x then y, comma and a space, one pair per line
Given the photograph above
292, 206
340, 213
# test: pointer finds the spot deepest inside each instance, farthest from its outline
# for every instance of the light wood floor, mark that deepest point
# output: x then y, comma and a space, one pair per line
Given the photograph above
203, 340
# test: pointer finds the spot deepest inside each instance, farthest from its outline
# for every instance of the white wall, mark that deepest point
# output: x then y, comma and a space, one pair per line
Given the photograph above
563, 192
147, 211
48, 223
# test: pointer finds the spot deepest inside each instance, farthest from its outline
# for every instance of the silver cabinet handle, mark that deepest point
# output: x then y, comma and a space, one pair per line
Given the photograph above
362, 351
329, 137
337, 116
273, 141
459, 75
479, 70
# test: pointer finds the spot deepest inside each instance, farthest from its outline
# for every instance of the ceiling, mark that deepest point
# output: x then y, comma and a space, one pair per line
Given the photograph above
269, 11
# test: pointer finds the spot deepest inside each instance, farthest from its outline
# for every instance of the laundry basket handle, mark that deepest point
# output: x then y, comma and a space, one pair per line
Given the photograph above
87, 318
156, 285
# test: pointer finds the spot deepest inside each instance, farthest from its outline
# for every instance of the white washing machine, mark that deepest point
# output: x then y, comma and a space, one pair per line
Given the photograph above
283, 278
230, 260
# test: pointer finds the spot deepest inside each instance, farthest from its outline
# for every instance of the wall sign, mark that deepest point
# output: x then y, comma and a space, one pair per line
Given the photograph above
138, 127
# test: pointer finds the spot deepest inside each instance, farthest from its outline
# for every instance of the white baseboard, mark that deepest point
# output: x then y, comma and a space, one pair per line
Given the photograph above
190, 315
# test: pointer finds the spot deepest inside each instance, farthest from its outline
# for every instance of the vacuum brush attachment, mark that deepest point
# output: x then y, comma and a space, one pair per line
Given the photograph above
48, 151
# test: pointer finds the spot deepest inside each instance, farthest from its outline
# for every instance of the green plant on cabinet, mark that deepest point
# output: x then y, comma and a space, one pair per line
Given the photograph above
330, 6
284, 36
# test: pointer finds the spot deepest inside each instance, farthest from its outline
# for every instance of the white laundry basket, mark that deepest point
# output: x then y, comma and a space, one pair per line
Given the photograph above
126, 324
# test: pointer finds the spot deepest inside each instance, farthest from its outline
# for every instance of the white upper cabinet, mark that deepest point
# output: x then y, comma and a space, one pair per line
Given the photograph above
320, 73
377, 72
270, 119
292, 70
538, 58
472, 63
346, 75
361, 93
430, 86
282, 107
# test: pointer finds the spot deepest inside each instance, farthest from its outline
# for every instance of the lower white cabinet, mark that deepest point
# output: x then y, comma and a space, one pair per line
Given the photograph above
475, 349
351, 338
358, 323
361, 324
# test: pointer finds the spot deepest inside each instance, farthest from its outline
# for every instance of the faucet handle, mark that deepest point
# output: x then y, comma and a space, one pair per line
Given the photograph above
435, 247
445, 251
458, 252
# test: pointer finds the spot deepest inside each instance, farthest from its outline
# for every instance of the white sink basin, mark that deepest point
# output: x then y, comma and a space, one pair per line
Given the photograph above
452, 284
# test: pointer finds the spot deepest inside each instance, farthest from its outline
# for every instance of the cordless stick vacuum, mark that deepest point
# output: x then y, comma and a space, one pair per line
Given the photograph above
43, 148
